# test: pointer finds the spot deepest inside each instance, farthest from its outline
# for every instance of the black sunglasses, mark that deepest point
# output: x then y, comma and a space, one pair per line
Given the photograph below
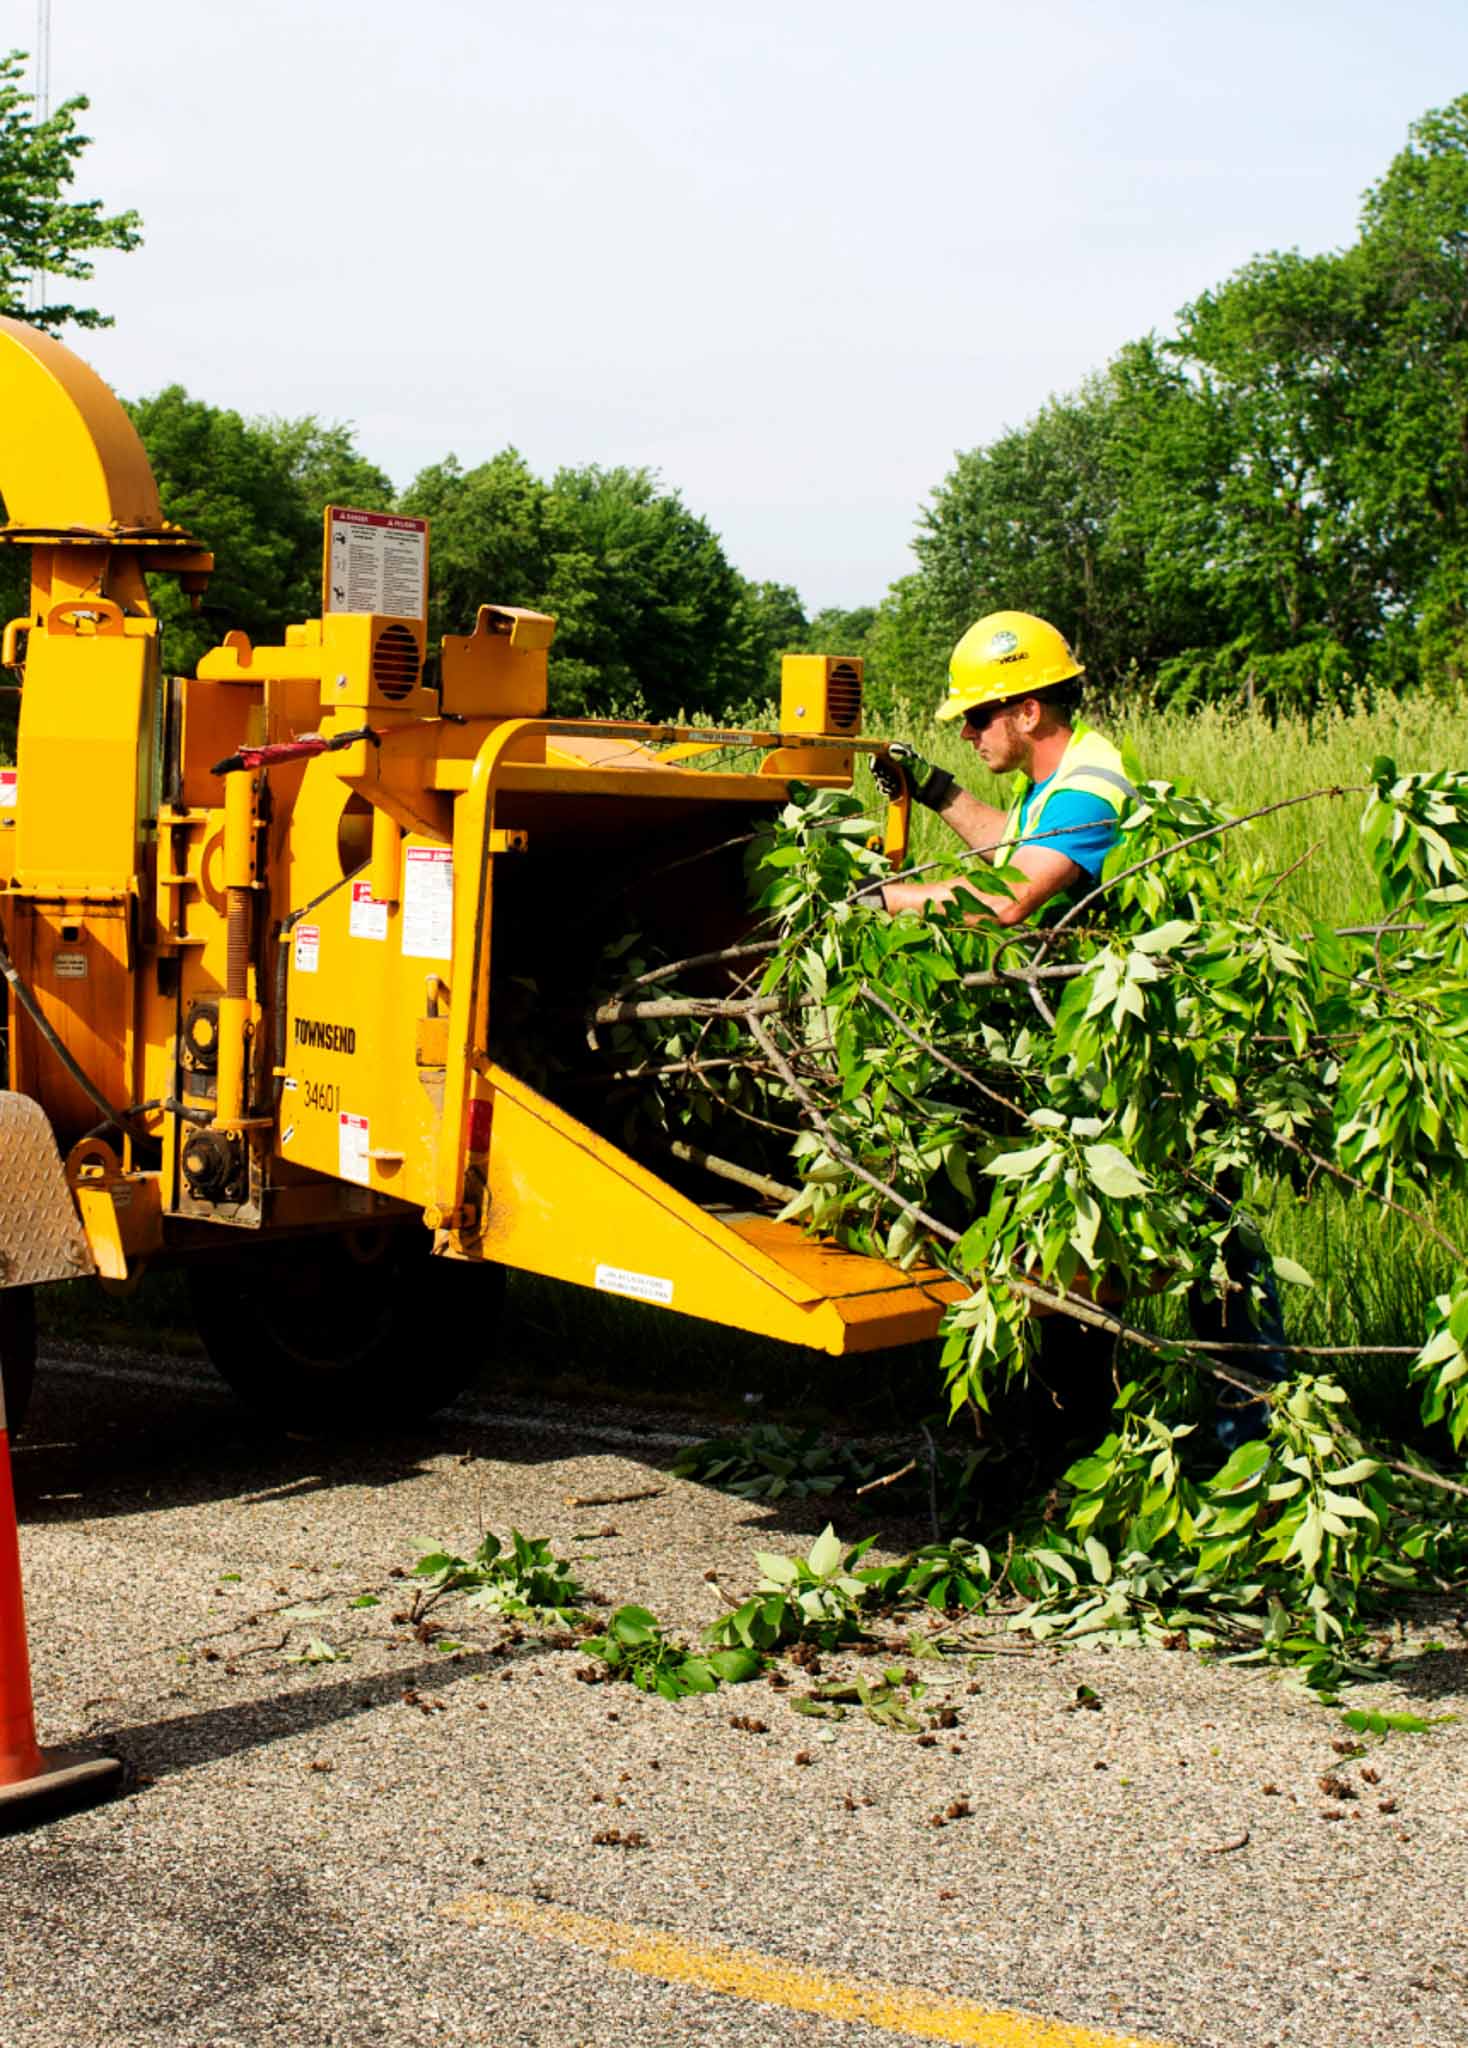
979, 720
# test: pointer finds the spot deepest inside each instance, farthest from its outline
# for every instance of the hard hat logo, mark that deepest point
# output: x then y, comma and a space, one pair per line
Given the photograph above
1003, 643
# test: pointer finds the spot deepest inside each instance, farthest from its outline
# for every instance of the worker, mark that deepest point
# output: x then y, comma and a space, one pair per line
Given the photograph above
1014, 682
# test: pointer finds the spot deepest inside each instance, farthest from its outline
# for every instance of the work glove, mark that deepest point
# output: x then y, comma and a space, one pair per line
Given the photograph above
903, 768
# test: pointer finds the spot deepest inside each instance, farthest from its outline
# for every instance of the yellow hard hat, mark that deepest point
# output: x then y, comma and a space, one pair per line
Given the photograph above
1007, 654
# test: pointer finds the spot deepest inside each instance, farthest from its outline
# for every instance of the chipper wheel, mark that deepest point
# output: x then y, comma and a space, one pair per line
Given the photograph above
331, 1336
17, 1352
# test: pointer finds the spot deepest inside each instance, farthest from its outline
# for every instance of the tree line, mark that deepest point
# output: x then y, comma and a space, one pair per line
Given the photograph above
1269, 505
652, 617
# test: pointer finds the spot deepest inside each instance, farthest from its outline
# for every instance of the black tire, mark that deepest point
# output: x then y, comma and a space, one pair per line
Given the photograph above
342, 1335
17, 1352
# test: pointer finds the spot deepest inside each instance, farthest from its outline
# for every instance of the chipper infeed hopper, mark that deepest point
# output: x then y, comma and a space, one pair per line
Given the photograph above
279, 934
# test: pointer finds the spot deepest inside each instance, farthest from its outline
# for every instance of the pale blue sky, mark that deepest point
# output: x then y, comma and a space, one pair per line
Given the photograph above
792, 257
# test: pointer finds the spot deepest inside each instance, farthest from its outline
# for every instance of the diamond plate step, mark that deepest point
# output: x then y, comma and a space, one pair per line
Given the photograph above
41, 1236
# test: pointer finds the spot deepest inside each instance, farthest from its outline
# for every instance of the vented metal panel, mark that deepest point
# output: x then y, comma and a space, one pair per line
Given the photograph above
395, 662
843, 697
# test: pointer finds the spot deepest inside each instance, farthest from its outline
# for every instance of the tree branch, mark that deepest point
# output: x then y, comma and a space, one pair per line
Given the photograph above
653, 1009
715, 959
726, 1169
866, 990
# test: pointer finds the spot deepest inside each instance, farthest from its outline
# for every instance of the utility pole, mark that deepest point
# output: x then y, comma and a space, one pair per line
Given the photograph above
42, 61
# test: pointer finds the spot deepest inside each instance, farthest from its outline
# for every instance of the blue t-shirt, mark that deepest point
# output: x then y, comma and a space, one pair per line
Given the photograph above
1099, 828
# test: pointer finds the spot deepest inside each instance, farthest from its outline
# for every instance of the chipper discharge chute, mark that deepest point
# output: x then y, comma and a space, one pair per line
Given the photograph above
282, 939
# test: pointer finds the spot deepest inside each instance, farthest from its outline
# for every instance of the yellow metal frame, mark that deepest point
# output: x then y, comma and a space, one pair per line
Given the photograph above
563, 1201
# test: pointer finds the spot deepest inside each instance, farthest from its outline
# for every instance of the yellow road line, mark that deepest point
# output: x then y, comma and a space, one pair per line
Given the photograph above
766, 1980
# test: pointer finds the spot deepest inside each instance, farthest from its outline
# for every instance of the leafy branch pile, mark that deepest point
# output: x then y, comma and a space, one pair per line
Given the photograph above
829, 1600
825, 1600
769, 1462
524, 1582
1087, 1124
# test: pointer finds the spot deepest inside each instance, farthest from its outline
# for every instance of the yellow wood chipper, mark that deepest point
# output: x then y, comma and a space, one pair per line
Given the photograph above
259, 923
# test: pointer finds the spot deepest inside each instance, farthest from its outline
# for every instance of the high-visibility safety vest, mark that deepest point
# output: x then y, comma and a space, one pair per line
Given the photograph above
1089, 762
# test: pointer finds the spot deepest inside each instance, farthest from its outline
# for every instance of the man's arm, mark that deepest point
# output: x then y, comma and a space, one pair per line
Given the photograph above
977, 824
981, 828
1045, 873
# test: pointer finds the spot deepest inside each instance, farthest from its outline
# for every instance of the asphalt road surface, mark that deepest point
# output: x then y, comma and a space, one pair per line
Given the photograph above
398, 1844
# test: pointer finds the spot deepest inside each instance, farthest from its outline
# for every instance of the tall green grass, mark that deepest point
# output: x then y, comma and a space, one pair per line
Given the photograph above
1245, 762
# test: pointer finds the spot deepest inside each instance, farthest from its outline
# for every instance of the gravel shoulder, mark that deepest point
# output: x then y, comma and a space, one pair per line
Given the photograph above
1162, 1866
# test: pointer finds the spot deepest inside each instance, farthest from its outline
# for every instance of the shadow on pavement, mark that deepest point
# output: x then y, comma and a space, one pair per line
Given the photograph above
182, 1742
132, 1438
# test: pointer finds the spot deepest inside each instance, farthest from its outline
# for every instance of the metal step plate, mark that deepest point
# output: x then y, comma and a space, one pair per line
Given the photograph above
41, 1237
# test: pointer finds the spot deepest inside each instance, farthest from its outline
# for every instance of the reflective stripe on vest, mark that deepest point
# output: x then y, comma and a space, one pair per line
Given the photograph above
1089, 761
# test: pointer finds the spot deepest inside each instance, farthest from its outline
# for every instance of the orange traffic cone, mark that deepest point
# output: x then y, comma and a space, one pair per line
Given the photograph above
34, 1782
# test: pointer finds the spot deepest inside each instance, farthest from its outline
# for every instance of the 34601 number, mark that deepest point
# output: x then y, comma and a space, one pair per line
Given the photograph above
322, 1095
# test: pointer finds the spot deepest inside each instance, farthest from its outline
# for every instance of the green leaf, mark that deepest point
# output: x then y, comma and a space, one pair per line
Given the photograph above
825, 1553
1367, 1721
1112, 1172
634, 1626
1353, 1474
1287, 1269
736, 1667
1243, 1467
1166, 938
1053, 1561
1306, 1543
436, 1564
318, 1651
1018, 1165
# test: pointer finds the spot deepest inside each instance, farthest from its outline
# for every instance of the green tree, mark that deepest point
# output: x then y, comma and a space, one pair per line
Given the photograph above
774, 624
1053, 518
906, 651
1414, 252
42, 233
492, 539
651, 617
254, 492
1274, 501
1297, 578
837, 629
650, 606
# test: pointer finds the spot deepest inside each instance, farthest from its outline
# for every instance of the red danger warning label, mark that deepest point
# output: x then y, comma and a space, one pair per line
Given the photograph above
375, 562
